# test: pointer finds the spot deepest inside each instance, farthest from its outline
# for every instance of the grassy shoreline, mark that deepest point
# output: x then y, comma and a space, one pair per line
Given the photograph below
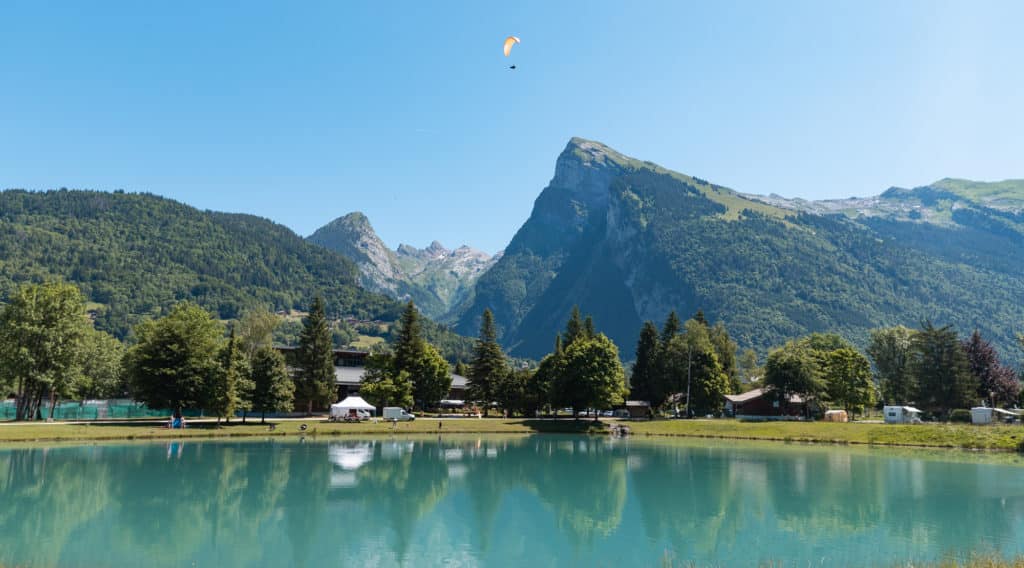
936, 436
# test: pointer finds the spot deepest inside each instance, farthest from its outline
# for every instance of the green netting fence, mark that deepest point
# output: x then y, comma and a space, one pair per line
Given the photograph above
95, 410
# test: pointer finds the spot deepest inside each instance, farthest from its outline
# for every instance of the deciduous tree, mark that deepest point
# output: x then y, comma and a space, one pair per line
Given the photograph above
175, 358
41, 333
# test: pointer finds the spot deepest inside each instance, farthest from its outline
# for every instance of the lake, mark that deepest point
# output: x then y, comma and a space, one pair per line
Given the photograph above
542, 500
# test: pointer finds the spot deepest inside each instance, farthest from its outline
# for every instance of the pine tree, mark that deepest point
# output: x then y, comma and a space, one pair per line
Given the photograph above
890, 350
671, 328
941, 370
409, 344
642, 379
489, 364
315, 382
273, 390
588, 328
573, 328
699, 317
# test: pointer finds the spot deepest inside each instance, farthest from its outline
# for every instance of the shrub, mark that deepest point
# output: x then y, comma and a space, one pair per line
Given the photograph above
960, 415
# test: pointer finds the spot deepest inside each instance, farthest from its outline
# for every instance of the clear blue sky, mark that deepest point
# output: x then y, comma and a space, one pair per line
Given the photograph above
304, 111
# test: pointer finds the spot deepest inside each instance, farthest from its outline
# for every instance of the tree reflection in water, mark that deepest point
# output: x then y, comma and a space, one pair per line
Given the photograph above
540, 500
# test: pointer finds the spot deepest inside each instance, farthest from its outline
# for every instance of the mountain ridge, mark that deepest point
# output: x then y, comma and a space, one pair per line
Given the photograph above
437, 279
629, 240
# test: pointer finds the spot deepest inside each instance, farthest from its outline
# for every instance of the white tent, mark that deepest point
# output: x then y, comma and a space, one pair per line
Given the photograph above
343, 408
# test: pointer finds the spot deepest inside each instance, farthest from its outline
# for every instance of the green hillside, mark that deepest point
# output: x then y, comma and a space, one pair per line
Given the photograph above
136, 254
629, 241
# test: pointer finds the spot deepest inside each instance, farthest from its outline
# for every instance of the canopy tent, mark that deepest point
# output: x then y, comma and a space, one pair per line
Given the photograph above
352, 403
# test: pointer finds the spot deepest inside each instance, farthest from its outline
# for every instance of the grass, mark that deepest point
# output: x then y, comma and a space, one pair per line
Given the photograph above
963, 436
147, 430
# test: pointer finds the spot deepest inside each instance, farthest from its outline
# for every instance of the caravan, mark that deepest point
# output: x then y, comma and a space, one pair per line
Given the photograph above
901, 415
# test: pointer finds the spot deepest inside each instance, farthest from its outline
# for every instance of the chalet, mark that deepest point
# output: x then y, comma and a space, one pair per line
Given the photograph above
764, 402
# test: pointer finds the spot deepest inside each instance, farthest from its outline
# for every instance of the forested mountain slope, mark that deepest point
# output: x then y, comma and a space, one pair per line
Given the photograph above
629, 241
136, 254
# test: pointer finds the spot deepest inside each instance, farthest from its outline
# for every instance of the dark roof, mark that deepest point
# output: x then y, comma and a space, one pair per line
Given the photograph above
758, 393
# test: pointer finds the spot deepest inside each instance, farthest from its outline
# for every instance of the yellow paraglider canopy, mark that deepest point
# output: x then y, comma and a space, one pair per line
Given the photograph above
509, 42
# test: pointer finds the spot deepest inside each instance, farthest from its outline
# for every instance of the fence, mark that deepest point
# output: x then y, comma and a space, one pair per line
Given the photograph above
95, 410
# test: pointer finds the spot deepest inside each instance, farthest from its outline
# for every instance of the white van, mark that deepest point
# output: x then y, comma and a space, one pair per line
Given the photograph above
398, 414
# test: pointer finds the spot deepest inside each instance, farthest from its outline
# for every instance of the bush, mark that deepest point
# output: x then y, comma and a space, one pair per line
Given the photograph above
960, 415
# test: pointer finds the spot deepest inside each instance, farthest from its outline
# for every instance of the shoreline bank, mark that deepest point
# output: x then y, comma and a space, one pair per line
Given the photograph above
929, 436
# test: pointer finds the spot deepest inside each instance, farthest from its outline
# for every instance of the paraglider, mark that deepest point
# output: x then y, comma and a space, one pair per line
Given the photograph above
509, 42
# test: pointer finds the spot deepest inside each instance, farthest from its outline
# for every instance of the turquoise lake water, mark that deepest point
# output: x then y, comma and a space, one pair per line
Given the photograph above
496, 501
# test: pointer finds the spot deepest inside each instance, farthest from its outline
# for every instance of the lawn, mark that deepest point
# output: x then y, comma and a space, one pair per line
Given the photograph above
147, 430
963, 436
926, 435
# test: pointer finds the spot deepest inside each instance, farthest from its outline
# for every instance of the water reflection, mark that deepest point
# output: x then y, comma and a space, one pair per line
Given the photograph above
543, 501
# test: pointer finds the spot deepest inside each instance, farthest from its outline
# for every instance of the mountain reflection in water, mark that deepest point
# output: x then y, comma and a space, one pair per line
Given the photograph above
539, 501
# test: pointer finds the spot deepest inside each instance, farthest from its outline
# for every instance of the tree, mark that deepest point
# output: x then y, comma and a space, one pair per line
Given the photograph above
997, 383
549, 368
793, 369
41, 333
315, 378
102, 368
693, 355
175, 358
591, 375
941, 370
408, 345
462, 369
273, 390
489, 364
643, 379
514, 393
749, 370
725, 349
890, 349
432, 378
383, 386
225, 389
574, 328
256, 331
848, 379
671, 328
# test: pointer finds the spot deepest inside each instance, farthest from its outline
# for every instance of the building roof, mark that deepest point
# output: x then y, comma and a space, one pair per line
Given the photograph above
758, 393
353, 376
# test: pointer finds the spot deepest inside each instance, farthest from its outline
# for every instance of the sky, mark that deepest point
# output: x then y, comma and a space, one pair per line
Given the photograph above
304, 111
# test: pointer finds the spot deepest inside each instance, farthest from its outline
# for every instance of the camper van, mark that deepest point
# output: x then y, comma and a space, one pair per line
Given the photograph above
901, 415
397, 414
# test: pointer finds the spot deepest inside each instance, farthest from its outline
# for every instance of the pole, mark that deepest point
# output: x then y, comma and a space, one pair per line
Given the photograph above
689, 372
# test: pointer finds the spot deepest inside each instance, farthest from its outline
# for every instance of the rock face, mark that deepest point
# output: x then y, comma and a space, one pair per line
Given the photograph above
627, 241
437, 279
354, 237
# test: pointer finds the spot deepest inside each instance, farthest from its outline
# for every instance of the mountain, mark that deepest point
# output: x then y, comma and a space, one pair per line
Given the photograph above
628, 241
136, 254
437, 279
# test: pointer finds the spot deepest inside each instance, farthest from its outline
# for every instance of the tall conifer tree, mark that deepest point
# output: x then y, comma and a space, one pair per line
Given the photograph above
644, 375
489, 365
315, 382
